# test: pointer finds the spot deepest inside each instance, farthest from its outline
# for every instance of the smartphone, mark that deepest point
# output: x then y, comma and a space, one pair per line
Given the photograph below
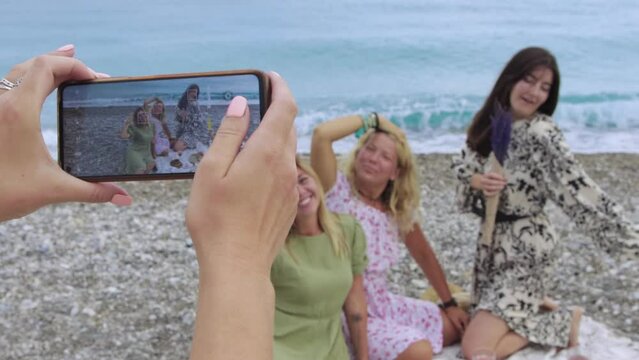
149, 127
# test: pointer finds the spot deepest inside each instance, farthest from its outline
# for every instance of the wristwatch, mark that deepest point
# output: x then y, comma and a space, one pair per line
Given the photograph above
450, 303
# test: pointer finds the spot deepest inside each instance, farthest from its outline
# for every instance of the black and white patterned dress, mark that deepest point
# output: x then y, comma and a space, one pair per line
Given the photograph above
511, 272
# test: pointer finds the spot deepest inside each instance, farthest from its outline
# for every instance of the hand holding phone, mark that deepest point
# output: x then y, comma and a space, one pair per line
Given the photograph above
30, 178
169, 121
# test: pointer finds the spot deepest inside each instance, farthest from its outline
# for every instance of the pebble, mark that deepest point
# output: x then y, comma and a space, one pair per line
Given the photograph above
129, 274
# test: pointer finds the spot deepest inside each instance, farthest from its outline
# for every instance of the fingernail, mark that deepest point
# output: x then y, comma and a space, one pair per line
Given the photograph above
276, 74
121, 200
66, 47
237, 107
93, 71
102, 75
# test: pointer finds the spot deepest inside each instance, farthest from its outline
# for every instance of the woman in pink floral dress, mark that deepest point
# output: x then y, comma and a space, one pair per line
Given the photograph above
379, 188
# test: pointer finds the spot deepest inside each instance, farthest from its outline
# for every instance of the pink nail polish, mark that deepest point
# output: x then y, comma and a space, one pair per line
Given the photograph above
237, 107
93, 71
121, 200
66, 47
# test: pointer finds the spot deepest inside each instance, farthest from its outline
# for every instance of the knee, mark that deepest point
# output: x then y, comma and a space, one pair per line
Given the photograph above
420, 350
468, 347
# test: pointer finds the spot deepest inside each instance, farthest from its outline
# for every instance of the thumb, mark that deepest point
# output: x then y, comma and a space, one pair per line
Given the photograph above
81, 191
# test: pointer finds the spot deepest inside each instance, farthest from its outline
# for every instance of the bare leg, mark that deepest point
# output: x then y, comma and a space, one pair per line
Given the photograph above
179, 146
484, 332
420, 350
509, 344
573, 339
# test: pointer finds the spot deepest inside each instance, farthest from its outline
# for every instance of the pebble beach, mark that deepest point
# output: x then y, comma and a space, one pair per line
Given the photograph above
87, 281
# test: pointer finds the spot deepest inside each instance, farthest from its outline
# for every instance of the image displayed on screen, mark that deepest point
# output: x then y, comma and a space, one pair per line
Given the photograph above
147, 127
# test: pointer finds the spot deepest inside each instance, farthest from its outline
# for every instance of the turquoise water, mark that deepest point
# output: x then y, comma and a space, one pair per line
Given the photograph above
427, 64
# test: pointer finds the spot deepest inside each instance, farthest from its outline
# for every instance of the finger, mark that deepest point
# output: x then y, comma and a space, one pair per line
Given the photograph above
228, 139
274, 130
73, 189
46, 73
18, 71
65, 50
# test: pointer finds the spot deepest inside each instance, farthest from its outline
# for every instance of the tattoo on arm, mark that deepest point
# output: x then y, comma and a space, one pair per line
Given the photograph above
356, 317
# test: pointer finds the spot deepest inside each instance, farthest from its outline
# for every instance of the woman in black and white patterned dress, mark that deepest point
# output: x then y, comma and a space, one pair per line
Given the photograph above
511, 271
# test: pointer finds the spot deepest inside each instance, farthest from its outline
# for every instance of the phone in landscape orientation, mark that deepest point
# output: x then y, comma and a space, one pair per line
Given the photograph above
149, 127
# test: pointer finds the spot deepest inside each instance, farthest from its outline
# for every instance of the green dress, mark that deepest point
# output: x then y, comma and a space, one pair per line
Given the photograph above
138, 153
311, 284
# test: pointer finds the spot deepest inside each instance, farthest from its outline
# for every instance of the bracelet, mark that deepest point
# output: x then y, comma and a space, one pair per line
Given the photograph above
374, 120
450, 303
369, 122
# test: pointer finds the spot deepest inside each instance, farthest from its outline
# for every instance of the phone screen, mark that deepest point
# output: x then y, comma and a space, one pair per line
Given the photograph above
149, 127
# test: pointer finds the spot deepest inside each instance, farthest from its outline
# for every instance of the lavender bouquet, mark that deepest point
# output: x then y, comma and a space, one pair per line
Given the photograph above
501, 125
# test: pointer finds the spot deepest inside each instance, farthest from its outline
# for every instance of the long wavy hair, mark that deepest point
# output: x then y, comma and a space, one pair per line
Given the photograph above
401, 196
162, 116
184, 99
135, 117
522, 64
329, 221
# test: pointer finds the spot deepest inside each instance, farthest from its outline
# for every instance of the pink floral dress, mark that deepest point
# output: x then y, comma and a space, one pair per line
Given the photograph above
394, 322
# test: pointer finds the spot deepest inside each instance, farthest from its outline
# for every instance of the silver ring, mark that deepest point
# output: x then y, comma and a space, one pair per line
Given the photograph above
8, 84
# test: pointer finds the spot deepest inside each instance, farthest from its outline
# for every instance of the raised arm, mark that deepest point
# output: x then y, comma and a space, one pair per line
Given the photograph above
323, 159
124, 133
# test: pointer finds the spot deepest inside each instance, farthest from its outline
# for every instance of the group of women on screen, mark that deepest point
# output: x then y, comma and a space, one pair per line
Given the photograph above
149, 134
332, 295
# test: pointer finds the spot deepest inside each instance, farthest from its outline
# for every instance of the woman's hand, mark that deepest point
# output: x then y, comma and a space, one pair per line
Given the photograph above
489, 183
388, 126
241, 208
30, 177
458, 317
243, 202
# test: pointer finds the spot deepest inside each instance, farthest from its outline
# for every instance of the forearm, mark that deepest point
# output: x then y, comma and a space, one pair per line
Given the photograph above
357, 330
323, 159
167, 132
235, 315
435, 275
424, 255
335, 129
356, 312
124, 134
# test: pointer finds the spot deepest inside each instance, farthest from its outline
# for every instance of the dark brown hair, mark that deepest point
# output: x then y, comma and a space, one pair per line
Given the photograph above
522, 64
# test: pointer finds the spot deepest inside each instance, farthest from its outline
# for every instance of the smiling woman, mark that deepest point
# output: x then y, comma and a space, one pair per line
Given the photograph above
379, 188
316, 276
512, 269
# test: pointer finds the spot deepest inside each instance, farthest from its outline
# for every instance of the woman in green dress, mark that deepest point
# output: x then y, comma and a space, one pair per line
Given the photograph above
140, 153
316, 276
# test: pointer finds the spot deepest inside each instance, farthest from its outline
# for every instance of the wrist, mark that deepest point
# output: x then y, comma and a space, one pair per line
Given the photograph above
449, 304
371, 121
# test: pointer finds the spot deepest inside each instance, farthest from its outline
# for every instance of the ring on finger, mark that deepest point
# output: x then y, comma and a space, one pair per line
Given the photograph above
6, 84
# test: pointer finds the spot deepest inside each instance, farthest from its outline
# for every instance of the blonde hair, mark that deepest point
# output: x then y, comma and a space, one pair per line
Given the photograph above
401, 196
329, 221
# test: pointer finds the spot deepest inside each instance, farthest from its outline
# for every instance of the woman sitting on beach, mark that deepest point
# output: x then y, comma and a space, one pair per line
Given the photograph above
140, 153
315, 276
513, 264
379, 188
162, 138
191, 126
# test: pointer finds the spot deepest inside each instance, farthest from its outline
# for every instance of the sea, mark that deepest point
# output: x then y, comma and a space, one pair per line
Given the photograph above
426, 64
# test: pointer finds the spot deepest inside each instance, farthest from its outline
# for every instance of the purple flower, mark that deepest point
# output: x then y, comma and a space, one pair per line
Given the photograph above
500, 126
